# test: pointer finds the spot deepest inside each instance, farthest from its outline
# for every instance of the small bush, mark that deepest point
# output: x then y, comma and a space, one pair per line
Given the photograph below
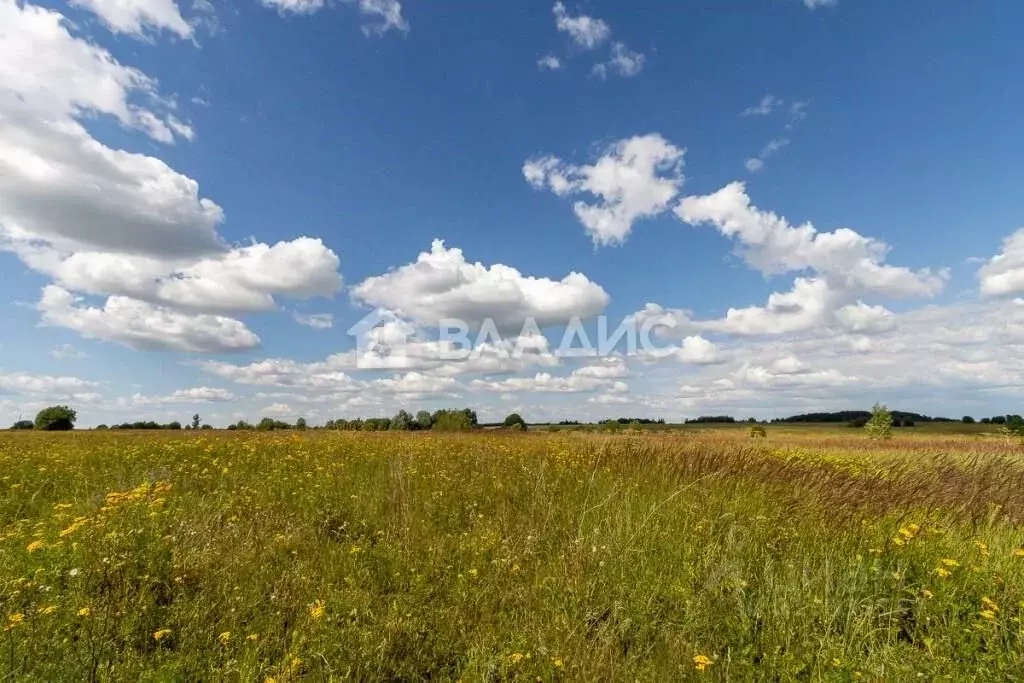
880, 424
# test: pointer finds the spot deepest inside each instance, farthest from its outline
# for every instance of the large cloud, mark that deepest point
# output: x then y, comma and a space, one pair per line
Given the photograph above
134, 16
635, 178
843, 265
442, 284
238, 280
115, 223
58, 182
145, 327
771, 245
25, 383
1004, 273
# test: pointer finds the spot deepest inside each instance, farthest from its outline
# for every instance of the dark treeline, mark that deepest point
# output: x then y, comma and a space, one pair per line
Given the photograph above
853, 415
711, 419
143, 425
439, 420
997, 420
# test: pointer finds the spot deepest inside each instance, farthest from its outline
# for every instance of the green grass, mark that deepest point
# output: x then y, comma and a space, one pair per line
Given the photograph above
808, 556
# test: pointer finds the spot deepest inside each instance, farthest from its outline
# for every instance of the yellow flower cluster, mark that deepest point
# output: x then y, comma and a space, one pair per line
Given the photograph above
702, 662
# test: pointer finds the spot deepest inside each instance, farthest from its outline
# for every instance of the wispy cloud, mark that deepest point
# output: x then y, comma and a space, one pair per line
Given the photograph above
755, 164
318, 321
766, 106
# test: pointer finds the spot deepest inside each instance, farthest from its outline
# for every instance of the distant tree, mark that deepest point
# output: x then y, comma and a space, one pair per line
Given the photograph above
100, 427
454, 420
880, 424
757, 432
56, 419
23, 424
265, 425
1014, 425
206, 426
423, 420
401, 422
999, 420
967, 420
300, 424
174, 425
195, 421
986, 420
514, 421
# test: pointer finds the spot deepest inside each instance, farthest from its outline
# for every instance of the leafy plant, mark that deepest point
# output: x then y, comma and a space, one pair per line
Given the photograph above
879, 425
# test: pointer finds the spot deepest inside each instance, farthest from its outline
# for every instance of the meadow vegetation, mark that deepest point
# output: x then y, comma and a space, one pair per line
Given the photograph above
510, 555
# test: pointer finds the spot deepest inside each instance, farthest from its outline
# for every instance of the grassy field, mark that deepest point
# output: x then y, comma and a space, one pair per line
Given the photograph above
687, 555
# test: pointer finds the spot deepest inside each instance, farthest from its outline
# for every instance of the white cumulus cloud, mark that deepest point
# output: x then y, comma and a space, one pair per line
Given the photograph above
1004, 272
143, 326
442, 284
635, 178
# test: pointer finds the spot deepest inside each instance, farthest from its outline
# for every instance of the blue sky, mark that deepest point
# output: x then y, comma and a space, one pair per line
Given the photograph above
188, 182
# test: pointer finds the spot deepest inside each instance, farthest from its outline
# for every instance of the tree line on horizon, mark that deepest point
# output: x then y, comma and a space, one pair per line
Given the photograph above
62, 418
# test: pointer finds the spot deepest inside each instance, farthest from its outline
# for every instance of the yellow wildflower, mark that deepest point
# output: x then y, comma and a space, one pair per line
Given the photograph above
988, 614
13, 620
473, 572
49, 609
161, 634
950, 563
702, 662
928, 595
317, 609
224, 638
84, 612
516, 657
1019, 552
253, 636
989, 604
558, 663
942, 572
35, 545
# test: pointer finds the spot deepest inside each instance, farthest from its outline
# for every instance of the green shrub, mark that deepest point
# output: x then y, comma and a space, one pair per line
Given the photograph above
56, 419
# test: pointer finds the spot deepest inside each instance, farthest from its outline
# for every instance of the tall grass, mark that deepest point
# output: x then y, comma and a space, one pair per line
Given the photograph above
682, 556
